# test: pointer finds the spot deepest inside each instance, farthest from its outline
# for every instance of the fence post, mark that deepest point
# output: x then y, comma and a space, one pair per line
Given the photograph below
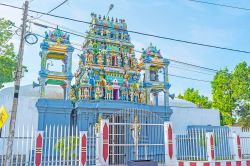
169, 142
83, 148
39, 147
210, 146
102, 143
237, 146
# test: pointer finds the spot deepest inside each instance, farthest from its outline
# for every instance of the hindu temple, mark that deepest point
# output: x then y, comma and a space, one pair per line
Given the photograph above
109, 77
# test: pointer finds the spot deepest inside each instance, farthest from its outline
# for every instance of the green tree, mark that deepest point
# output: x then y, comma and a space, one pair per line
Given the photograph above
241, 93
231, 95
193, 96
8, 58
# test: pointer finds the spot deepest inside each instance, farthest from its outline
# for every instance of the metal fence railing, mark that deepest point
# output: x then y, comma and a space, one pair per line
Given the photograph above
191, 145
245, 143
223, 144
61, 145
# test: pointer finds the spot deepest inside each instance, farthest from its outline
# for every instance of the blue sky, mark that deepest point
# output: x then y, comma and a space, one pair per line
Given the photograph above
181, 19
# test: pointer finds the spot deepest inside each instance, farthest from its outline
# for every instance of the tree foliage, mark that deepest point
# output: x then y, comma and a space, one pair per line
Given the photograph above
8, 58
193, 96
231, 95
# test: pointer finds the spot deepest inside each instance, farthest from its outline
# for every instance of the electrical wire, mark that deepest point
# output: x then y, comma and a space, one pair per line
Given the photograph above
34, 18
194, 79
57, 6
188, 64
221, 5
186, 69
183, 77
140, 33
80, 35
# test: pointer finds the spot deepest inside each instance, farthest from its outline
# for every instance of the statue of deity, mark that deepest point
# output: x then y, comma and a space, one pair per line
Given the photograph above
136, 96
99, 59
142, 96
109, 89
136, 130
97, 93
131, 92
86, 93
90, 58
124, 93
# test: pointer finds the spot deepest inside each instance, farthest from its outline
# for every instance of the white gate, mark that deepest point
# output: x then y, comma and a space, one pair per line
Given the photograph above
135, 134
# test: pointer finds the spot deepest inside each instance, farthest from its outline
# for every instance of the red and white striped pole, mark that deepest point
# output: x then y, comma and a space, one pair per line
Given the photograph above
210, 146
237, 147
102, 143
105, 141
39, 147
169, 142
83, 148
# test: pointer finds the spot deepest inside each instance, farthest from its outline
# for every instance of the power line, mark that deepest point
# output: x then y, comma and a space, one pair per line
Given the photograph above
186, 69
222, 5
79, 35
57, 6
52, 9
194, 79
46, 26
140, 33
183, 77
196, 66
184, 63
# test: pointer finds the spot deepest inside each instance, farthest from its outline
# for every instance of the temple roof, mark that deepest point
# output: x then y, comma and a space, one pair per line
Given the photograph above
108, 28
56, 36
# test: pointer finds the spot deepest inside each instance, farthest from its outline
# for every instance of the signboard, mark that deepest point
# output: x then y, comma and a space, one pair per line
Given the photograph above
3, 116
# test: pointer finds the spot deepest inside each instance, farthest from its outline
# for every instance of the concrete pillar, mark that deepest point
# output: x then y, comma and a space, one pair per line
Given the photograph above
170, 144
39, 148
83, 148
102, 144
237, 147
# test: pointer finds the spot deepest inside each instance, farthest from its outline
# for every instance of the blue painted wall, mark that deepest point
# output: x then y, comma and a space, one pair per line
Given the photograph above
85, 112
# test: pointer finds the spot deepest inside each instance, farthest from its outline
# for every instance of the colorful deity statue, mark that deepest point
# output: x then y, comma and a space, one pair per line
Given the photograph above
74, 93
86, 93
131, 93
136, 132
97, 93
103, 82
124, 92
99, 59
108, 89
136, 96
89, 58
142, 97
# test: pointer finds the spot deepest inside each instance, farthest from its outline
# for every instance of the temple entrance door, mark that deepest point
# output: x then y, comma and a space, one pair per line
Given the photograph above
115, 94
113, 61
135, 134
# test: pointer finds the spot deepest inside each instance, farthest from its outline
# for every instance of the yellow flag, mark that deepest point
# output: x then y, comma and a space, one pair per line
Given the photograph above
3, 116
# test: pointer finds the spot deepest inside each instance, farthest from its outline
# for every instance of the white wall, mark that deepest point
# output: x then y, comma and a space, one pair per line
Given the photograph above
186, 113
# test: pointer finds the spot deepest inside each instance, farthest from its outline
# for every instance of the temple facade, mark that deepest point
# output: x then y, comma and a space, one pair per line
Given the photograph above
109, 77
109, 70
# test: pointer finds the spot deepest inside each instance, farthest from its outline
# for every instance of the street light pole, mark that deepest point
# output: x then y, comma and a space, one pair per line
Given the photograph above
18, 75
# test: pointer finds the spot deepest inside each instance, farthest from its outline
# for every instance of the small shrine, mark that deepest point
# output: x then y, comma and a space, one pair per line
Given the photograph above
56, 46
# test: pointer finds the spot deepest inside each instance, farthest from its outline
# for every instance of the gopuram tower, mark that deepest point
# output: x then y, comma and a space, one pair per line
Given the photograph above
109, 77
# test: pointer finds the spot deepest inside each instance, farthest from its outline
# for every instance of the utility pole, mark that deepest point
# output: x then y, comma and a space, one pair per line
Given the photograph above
18, 75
